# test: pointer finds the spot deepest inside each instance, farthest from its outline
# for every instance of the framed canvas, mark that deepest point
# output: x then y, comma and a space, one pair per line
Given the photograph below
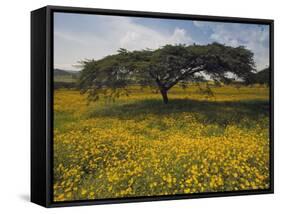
131, 106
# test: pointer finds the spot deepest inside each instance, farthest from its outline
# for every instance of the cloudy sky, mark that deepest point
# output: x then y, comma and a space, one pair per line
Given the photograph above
82, 36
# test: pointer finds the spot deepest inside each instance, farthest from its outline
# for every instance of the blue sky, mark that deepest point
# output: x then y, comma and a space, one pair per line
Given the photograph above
81, 36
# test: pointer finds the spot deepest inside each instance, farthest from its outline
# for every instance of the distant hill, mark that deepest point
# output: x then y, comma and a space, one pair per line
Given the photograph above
61, 75
262, 77
60, 72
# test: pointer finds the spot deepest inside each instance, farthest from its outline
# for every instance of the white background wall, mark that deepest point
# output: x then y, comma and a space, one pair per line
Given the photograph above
15, 105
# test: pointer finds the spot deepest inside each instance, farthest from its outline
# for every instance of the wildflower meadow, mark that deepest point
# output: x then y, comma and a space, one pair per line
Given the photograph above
138, 146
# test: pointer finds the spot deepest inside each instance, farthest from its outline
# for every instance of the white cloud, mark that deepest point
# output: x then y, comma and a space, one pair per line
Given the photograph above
199, 23
138, 37
105, 35
253, 37
120, 32
68, 37
180, 36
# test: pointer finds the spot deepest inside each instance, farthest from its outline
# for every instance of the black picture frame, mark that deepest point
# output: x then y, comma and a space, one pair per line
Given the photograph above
42, 103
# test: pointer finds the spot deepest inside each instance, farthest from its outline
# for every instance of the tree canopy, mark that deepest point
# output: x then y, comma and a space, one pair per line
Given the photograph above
163, 68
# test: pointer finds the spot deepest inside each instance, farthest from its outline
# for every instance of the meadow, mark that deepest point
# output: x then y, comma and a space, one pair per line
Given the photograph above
138, 146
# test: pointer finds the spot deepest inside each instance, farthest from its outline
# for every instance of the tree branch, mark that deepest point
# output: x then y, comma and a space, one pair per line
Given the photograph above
158, 82
184, 75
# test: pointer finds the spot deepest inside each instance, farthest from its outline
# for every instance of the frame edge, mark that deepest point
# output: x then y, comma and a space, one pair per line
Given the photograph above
38, 107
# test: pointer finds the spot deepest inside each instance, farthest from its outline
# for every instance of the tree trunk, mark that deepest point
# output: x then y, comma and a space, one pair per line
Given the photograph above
164, 94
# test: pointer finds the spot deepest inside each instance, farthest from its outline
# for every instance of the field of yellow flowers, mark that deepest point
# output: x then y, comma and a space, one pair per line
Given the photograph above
137, 146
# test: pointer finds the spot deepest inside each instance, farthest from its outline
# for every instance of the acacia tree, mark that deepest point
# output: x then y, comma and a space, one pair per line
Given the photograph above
164, 68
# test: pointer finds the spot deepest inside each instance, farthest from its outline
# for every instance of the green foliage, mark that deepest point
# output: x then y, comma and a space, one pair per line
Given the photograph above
163, 68
261, 77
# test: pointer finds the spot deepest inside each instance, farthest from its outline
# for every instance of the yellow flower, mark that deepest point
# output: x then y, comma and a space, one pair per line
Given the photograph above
83, 191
